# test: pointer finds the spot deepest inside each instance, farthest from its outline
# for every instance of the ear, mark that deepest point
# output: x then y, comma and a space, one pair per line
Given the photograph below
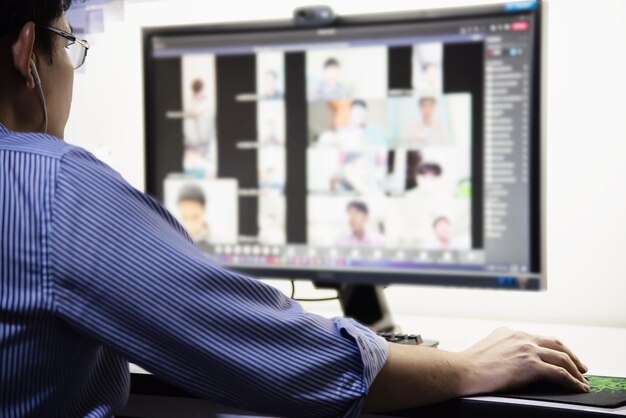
22, 51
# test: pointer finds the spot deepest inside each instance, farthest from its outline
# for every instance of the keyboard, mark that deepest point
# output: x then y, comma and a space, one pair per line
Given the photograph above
407, 339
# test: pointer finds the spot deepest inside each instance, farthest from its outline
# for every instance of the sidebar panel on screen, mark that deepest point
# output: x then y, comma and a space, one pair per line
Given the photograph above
236, 126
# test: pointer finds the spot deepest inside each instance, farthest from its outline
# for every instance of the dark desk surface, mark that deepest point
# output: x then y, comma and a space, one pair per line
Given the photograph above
152, 398
494, 407
601, 348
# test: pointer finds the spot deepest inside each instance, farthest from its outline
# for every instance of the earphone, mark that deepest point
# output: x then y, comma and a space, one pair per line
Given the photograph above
33, 68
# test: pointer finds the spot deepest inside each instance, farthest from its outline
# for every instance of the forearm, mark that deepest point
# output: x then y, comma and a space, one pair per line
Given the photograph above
415, 376
505, 360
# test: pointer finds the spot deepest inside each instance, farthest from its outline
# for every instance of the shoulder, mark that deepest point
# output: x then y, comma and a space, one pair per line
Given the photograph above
35, 144
39, 157
55, 163
51, 152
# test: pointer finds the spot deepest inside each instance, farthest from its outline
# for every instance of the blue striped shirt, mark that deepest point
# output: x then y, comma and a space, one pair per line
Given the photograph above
95, 274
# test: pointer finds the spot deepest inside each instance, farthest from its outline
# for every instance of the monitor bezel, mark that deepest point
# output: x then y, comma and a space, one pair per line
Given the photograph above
369, 277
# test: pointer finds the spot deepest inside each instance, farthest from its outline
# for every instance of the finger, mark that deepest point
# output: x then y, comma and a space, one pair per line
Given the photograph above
556, 344
561, 359
561, 377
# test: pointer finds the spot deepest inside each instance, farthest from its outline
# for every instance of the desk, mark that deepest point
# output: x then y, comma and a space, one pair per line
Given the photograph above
602, 349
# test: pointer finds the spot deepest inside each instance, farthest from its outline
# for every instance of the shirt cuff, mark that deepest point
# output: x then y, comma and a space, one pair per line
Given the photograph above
374, 351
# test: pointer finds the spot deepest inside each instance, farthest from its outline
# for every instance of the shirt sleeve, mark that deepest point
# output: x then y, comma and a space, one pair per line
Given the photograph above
125, 273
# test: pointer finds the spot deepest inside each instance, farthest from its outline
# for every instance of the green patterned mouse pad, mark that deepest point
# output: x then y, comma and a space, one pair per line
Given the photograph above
605, 392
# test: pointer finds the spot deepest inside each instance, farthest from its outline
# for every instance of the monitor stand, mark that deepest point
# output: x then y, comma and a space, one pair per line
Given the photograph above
367, 305
364, 303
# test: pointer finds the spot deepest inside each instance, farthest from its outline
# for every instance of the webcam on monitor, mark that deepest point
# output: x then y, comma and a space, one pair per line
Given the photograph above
313, 16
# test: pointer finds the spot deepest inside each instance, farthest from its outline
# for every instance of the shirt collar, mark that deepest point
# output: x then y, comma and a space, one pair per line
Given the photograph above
6, 131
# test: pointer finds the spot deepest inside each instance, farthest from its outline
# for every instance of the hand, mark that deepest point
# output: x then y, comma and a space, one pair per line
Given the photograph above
508, 360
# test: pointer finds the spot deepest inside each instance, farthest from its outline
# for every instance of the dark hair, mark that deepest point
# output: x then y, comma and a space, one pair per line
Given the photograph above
197, 86
14, 14
331, 62
430, 168
192, 192
358, 206
359, 102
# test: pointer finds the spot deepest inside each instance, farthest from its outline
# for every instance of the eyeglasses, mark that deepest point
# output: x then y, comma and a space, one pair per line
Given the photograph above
76, 48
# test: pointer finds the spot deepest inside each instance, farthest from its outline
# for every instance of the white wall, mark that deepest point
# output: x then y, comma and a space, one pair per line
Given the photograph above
586, 143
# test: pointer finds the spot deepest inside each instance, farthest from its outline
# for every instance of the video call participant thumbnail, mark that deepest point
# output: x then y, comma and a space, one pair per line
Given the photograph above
360, 133
358, 234
271, 90
198, 119
427, 130
330, 87
191, 209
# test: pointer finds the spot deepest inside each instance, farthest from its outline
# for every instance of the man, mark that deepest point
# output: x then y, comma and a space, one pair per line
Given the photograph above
198, 125
358, 236
270, 86
427, 130
359, 134
429, 176
94, 274
330, 87
441, 226
192, 212
443, 238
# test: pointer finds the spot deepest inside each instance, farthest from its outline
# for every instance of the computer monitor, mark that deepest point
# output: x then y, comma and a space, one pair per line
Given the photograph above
379, 149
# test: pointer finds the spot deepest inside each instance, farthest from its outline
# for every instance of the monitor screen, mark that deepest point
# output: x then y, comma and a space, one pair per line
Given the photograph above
398, 148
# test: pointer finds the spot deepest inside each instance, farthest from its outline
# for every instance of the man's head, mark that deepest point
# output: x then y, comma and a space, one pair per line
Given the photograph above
441, 226
427, 107
428, 175
197, 86
357, 217
32, 56
332, 70
191, 207
358, 112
